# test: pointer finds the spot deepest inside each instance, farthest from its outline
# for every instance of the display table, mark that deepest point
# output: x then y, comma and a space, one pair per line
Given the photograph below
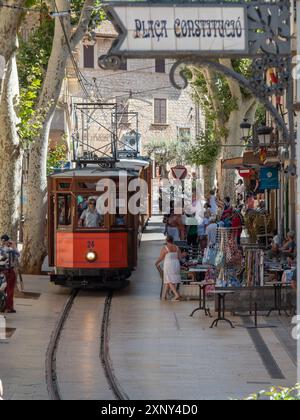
202, 297
278, 286
221, 294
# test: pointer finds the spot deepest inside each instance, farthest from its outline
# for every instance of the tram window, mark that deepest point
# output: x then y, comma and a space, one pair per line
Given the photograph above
87, 185
64, 210
119, 219
87, 214
64, 185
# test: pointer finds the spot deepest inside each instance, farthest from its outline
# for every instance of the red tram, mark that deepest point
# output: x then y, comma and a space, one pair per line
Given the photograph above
93, 257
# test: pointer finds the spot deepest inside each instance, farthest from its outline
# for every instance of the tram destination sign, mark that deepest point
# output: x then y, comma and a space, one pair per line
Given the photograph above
169, 29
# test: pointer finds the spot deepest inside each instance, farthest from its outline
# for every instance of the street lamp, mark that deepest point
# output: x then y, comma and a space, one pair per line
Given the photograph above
264, 135
245, 127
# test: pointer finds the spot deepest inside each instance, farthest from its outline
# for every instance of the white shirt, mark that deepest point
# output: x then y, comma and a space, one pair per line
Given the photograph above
211, 232
240, 189
213, 204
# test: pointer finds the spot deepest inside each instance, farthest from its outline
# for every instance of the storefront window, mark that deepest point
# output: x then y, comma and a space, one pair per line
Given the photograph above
64, 210
87, 213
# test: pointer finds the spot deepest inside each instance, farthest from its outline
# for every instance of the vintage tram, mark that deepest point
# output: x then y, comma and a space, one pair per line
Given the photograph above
101, 256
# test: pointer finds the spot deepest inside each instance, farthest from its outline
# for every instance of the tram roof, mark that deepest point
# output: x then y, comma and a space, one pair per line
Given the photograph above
130, 166
89, 172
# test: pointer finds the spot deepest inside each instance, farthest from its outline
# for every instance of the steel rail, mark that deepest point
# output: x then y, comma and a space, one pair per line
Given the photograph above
51, 373
104, 352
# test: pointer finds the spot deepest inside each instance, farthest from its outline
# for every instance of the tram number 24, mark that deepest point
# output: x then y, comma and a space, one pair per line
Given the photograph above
90, 244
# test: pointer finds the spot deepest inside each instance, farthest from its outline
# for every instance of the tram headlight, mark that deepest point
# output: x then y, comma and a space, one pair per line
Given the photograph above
91, 256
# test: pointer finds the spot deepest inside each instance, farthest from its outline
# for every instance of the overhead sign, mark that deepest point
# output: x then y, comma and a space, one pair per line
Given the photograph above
169, 28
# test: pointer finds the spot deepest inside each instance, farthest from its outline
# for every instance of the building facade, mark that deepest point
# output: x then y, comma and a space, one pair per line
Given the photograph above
146, 102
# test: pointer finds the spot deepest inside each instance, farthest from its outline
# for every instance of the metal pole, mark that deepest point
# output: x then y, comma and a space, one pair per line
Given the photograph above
298, 173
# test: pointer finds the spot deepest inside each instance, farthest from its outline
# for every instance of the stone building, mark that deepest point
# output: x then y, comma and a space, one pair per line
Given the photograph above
145, 99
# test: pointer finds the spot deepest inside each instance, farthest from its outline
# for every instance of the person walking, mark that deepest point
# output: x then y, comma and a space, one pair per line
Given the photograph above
9, 248
237, 225
211, 232
171, 256
213, 203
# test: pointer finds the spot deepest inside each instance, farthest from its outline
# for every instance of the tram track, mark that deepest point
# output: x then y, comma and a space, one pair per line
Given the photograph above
104, 354
51, 372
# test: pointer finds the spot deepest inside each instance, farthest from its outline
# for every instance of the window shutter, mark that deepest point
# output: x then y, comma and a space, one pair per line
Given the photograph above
160, 111
163, 111
88, 56
160, 65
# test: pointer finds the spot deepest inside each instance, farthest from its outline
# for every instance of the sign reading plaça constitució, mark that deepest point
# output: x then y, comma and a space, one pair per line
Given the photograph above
181, 29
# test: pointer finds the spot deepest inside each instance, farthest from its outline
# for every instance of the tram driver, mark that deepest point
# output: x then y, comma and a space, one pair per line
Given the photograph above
90, 218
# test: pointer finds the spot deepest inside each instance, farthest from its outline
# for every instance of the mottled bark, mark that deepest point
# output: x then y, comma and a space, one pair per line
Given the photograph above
246, 109
10, 164
34, 248
10, 20
209, 175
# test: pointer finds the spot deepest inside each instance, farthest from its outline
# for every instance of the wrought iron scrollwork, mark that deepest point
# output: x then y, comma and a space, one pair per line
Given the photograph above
255, 85
109, 62
281, 79
269, 27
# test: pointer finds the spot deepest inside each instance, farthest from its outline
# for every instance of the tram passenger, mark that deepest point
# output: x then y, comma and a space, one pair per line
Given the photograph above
90, 217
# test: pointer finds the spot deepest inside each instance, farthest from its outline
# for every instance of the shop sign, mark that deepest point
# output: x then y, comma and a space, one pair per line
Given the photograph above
245, 173
269, 178
170, 28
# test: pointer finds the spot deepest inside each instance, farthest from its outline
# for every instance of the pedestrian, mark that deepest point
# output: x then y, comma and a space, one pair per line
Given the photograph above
237, 225
240, 188
192, 230
227, 212
175, 227
211, 232
202, 230
9, 249
213, 203
171, 256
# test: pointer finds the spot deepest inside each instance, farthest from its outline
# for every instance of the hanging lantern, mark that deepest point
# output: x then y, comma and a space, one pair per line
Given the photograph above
245, 127
264, 135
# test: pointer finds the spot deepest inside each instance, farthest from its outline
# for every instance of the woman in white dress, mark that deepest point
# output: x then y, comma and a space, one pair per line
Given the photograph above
171, 255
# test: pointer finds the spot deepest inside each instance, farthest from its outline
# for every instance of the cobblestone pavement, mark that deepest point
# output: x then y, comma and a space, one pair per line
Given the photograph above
157, 350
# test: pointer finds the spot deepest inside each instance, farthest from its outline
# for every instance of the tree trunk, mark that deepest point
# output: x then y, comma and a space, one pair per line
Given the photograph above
34, 247
227, 180
10, 20
11, 157
209, 174
227, 187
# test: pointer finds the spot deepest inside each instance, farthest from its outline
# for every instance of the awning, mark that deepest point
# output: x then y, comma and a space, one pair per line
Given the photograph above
249, 160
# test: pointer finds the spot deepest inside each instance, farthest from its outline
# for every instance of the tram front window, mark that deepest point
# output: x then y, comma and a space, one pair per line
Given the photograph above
64, 210
88, 216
